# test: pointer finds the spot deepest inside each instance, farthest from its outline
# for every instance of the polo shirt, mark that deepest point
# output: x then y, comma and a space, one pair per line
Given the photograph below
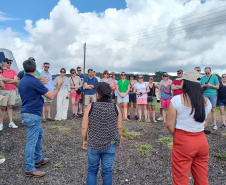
178, 91
209, 92
9, 74
31, 91
90, 81
82, 79
123, 87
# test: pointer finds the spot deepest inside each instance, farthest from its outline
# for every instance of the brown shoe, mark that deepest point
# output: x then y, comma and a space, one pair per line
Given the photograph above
42, 162
35, 174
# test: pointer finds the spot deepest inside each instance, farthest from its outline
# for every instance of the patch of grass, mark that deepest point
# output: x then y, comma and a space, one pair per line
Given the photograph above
2, 157
145, 148
58, 165
16, 118
223, 135
170, 145
221, 156
157, 108
130, 135
218, 113
55, 127
65, 129
133, 146
140, 129
144, 123
19, 100
166, 140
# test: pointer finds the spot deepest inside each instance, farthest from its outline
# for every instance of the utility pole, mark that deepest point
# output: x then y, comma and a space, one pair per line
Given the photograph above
84, 47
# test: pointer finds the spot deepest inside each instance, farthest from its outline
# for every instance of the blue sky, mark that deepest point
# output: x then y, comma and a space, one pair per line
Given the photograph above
21, 10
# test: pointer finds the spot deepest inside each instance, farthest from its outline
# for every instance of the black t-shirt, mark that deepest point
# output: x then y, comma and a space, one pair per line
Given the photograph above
222, 91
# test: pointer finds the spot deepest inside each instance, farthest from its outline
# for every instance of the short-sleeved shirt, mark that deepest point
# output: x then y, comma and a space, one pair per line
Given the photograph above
209, 92
31, 91
66, 83
90, 81
178, 91
109, 81
22, 73
82, 79
9, 74
49, 84
123, 87
141, 88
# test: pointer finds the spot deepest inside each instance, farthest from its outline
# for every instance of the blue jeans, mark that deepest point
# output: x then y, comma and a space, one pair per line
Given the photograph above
107, 160
33, 149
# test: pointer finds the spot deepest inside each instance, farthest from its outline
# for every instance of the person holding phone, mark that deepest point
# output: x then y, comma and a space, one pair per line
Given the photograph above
63, 96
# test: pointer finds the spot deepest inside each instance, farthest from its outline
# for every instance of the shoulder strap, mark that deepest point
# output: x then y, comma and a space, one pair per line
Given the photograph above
209, 79
90, 111
116, 110
73, 81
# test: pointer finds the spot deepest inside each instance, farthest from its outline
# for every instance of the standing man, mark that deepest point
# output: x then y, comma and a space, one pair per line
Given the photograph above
90, 91
94, 74
10, 89
50, 87
82, 77
198, 69
31, 91
177, 84
210, 85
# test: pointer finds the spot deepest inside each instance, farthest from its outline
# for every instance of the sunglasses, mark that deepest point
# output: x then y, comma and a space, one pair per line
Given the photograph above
150, 78
73, 73
198, 70
9, 62
79, 70
223, 76
207, 73
63, 71
178, 73
123, 75
165, 76
140, 77
106, 73
46, 66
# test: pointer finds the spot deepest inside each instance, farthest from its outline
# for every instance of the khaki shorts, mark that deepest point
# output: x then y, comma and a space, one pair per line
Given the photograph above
90, 99
9, 98
46, 100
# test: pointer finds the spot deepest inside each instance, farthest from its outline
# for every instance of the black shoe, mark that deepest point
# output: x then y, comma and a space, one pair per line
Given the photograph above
128, 116
136, 118
80, 115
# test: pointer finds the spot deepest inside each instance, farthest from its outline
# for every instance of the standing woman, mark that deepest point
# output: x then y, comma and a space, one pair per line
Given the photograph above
221, 99
123, 87
141, 90
105, 78
103, 120
152, 99
132, 97
113, 89
190, 112
62, 96
165, 94
76, 93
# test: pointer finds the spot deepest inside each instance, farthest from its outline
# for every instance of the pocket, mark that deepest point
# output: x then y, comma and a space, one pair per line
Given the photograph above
28, 120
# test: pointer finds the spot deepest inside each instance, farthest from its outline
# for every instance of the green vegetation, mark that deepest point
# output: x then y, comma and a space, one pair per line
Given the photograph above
16, 118
55, 127
145, 148
2, 157
58, 165
223, 135
166, 140
60, 128
170, 145
144, 123
221, 156
133, 146
130, 135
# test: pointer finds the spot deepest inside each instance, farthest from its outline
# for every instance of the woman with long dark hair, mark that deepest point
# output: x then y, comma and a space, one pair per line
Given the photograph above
103, 120
190, 111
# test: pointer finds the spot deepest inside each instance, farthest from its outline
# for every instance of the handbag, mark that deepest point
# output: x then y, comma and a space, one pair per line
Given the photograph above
204, 88
166, 90
150, 98
79, 90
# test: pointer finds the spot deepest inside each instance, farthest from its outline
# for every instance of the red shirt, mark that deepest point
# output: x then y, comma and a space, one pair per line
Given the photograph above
178, 91
9, 74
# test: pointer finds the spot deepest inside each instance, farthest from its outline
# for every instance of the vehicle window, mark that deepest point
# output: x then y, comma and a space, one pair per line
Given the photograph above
2, 57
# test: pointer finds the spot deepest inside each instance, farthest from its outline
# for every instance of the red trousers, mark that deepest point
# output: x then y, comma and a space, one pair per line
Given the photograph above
190, 153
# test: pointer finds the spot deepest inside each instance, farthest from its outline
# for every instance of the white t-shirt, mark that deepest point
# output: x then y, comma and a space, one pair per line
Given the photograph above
185, 121
141, 88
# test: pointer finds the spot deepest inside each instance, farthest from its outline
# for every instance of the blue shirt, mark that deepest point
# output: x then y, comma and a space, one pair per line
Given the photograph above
82, 79
209, 92
49, 84
90, 81
31, 91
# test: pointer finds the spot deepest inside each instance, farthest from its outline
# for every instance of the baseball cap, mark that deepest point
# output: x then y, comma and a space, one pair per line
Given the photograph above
103, 89
166, 74
31, 58
6, 60
192, 76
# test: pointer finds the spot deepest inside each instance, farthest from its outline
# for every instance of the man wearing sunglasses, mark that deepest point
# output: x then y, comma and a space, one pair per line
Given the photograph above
177, 84
10, 89
82, 77
49, 85
210, 85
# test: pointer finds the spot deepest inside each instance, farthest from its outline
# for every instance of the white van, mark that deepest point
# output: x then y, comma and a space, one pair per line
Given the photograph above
5, 53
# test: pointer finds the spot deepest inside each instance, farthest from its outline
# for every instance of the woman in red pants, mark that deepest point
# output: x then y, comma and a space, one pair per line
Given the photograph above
190, 151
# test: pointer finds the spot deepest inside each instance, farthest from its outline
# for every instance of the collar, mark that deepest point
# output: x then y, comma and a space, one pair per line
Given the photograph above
7, 69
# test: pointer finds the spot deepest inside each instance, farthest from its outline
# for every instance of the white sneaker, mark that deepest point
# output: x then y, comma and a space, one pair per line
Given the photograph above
215, 127
160, 119
12, 125
1, 126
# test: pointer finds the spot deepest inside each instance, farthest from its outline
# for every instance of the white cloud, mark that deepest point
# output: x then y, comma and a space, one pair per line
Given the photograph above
147, 36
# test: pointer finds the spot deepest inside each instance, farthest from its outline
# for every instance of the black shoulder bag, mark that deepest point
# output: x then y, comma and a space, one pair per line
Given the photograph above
150, 98
204, 88
79, 90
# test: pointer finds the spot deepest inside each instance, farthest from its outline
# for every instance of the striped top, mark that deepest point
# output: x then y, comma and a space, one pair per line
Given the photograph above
103, 125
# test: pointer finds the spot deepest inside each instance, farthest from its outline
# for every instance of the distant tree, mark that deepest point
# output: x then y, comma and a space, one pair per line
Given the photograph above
218, 76
159, 73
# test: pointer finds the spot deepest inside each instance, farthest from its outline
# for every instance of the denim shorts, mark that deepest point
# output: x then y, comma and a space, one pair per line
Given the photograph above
123, 100
221, 102
213, 100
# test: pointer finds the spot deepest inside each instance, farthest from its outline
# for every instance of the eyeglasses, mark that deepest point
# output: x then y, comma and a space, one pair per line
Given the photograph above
73, 73
221, 77
207, 73
63, 71
79, 70
46, 66
123, 75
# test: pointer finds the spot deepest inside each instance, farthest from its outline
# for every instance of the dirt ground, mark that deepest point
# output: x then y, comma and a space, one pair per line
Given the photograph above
63, 145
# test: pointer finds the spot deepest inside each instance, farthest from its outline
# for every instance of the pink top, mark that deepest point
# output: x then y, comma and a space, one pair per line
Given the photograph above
9, 74
178, 91
114, 86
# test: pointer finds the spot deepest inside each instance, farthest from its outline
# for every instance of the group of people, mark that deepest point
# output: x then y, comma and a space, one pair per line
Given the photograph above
188, 100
